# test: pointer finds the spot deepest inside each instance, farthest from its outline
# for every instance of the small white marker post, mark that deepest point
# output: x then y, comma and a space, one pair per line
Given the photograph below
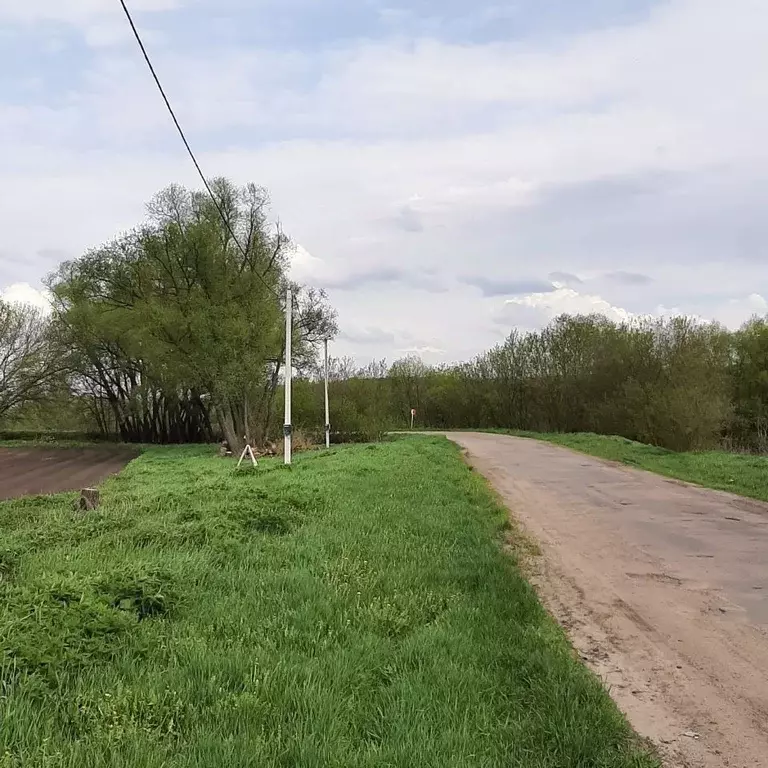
247, 451
327, 407
287, 430
413, 416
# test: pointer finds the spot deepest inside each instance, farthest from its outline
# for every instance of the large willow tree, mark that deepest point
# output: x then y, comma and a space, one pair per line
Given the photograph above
177, 327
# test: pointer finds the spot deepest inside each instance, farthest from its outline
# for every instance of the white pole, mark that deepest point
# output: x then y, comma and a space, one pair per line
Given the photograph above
327, 407
288, 374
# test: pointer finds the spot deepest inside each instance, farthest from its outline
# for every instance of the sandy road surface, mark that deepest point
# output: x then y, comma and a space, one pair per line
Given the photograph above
662, 587
25, 471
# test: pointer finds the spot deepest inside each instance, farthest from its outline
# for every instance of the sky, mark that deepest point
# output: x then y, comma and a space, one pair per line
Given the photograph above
448, 170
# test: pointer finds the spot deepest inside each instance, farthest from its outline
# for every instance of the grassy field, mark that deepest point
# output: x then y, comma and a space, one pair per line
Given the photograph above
739, 473
354, 610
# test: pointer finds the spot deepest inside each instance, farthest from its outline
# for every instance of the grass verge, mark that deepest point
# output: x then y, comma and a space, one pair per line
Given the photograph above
52, 439
54, 443
743, 474
354, 610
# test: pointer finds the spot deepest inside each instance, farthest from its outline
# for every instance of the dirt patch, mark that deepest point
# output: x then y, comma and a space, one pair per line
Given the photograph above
32, 471
662, 595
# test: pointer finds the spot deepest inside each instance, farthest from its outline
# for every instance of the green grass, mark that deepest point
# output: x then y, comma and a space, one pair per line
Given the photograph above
743, 474
51, 439
355, 610
57, 443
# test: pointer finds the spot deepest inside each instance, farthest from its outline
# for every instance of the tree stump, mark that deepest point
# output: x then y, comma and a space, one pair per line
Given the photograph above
89, 499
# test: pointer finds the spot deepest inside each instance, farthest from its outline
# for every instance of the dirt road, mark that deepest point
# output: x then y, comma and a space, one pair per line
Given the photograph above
25, 471
662, 587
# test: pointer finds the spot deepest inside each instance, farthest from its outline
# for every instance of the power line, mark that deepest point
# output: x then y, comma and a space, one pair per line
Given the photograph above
184, 139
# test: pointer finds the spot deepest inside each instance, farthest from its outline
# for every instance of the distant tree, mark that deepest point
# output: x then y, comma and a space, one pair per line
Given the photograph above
749, 376
408, 376
671, 382
29, 360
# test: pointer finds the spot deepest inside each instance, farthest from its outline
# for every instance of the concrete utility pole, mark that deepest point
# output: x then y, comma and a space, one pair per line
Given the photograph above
287, 429
327, 408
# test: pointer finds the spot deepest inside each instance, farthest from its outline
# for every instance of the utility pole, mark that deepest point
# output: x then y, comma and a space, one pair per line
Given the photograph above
287, 429
327, 408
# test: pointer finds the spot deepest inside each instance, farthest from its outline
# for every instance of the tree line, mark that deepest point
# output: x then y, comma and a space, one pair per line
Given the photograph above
676, 383
175, 332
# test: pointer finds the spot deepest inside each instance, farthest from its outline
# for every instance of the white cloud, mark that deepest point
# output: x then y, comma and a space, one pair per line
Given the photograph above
737, 311
540, 308
305, 267
536, 309
417, 155
24, 293
426, 353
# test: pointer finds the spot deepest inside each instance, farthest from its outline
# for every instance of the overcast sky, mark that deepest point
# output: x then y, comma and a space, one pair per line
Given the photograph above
450, 170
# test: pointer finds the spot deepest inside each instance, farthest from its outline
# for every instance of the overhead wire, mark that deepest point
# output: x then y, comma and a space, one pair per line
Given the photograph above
186, 143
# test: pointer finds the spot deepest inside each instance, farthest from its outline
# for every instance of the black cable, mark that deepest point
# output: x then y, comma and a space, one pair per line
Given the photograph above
184, 139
